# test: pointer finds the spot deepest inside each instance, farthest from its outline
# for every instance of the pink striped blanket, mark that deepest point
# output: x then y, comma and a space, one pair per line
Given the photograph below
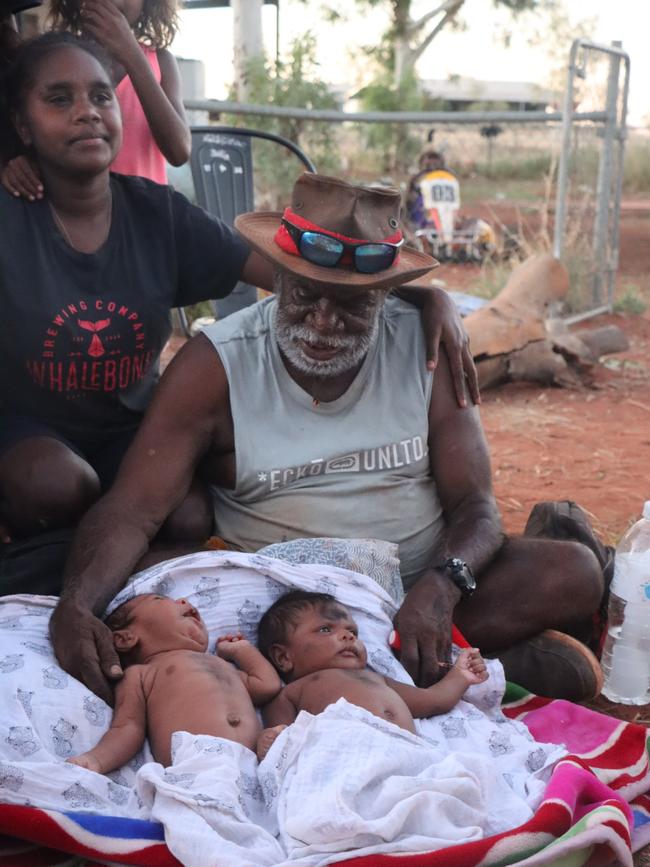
595, 811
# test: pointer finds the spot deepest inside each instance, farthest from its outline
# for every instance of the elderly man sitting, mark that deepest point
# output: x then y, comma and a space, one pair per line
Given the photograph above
312, 413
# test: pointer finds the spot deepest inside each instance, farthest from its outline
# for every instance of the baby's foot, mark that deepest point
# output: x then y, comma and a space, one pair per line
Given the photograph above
266, 740
85, 760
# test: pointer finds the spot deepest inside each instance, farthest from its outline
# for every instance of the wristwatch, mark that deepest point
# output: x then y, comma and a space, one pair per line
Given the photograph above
460, 574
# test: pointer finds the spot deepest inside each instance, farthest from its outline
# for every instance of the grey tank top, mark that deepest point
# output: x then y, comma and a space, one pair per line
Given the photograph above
356, 467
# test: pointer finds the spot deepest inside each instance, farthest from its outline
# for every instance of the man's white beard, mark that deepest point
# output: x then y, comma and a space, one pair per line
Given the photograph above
353, 348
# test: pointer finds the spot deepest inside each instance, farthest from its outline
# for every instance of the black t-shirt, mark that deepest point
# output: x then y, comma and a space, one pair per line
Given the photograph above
81, 334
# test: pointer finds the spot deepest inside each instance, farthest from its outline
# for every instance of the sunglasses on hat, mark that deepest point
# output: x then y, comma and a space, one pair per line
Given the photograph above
325, 250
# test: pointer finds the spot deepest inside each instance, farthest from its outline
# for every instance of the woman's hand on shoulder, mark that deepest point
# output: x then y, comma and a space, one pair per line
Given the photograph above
442, 323
20, 177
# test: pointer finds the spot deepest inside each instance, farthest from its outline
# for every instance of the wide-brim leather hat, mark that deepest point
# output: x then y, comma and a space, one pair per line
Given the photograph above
348, 212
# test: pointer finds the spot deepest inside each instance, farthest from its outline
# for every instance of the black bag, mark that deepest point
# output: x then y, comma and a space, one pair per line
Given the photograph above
34, 565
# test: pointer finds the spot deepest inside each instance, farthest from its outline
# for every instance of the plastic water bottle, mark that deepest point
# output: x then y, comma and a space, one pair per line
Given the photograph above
626, 654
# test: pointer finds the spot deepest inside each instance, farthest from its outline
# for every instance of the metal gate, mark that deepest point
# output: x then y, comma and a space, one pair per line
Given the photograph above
609, 181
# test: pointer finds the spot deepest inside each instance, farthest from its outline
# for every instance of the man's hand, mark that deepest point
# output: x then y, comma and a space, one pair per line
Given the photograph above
84, 648
105, 23
424, 626
20, 177
441, 322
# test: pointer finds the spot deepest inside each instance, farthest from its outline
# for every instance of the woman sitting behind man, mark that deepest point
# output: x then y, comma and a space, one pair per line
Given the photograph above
88, 276
87, 279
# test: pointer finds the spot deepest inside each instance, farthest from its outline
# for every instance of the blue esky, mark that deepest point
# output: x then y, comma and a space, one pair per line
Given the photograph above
207, 35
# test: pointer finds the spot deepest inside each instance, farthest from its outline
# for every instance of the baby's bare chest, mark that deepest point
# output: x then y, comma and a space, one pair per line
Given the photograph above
186, 673
324, 687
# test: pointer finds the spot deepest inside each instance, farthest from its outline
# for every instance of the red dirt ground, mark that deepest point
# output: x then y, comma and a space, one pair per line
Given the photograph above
593, 445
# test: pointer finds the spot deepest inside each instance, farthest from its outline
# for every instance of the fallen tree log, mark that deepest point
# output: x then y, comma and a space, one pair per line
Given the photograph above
517, 315
510, 337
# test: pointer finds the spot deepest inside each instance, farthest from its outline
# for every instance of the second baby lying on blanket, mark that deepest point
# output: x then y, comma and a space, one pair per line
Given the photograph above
171, 684
313, 642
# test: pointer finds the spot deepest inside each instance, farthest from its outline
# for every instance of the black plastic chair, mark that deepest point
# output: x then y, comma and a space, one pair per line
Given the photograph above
222, 174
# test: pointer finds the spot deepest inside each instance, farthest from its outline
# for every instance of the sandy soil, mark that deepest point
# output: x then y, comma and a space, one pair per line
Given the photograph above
591, 446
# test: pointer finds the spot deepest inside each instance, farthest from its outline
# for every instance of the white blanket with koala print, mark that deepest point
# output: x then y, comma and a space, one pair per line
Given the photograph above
484, 772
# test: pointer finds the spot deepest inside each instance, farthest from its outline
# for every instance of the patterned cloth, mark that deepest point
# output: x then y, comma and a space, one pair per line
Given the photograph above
373, 557
595, 808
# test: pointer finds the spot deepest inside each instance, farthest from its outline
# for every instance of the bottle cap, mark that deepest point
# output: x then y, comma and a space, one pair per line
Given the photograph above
646, 510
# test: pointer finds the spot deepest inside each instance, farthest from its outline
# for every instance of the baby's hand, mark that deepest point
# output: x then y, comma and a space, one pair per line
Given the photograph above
231, 646
86, 760
266, 740
470, 666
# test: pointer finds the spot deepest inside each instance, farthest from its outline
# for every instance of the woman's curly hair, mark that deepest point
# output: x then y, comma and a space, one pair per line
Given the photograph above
156, 26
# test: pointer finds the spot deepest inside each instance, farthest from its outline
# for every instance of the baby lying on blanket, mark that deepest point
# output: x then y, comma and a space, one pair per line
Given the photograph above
312, 640
172, 684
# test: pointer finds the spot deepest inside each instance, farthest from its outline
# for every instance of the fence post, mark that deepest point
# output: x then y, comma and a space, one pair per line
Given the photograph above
565, 152
621, 136
601, 246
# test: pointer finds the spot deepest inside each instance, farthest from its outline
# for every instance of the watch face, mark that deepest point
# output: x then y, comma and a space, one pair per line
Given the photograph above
461, 574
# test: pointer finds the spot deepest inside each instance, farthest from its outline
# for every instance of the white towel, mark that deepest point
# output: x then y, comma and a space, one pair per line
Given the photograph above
346, 782
210, 803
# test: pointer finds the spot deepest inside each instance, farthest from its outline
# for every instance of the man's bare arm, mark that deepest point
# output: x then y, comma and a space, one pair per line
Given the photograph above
128, 728
460, 465
190, 403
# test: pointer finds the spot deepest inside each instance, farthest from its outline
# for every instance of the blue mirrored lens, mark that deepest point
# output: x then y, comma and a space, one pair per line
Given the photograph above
371, 258
320, 249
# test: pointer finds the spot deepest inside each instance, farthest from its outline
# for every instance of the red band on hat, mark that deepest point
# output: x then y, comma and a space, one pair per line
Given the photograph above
286, 243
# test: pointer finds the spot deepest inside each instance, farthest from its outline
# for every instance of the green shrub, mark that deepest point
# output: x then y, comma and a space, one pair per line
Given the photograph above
631, 302
636, 168
292, 81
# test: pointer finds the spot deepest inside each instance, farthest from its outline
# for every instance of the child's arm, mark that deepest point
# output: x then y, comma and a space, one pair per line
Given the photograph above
20, 177
260, 678
162, 103
441, 697
128, 727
